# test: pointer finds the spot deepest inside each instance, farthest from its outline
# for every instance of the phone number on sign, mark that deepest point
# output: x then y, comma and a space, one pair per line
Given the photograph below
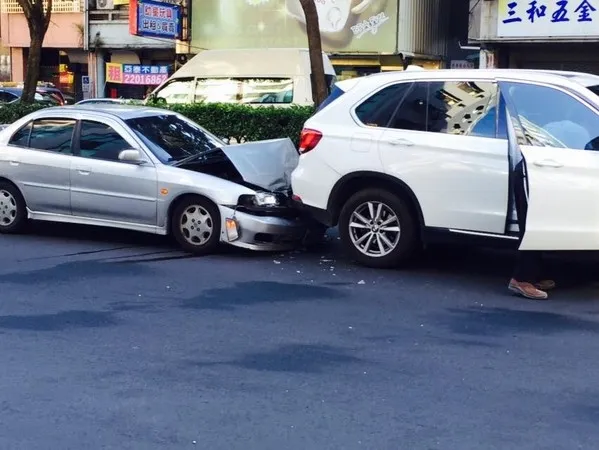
144, 78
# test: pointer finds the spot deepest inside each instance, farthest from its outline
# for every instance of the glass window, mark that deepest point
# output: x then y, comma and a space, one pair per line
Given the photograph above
52, 134
463, 108
378, 109
6, 97
98, 140
412, 113
21, 137
552, 118
244, 90
173, 139
176, 91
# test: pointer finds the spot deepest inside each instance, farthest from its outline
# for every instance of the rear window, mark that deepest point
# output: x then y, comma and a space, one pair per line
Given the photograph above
594, 89
244, 90
334, 95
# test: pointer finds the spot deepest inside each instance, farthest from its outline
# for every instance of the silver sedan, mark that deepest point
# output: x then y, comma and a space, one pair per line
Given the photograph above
148, 170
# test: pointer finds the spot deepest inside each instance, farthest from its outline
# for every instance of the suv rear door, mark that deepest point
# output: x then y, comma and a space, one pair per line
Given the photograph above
557, 133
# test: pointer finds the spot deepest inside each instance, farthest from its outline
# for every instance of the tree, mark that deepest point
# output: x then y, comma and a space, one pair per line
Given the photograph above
319, 84
38, 20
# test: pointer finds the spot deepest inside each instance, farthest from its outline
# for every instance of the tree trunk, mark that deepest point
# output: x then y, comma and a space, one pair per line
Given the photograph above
38, 21
32, 71
319, 84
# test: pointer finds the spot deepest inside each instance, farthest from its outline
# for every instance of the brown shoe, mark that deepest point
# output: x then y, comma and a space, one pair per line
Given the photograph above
527, 290
545, 285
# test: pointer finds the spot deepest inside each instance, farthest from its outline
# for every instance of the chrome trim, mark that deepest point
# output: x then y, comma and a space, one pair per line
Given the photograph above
479, 233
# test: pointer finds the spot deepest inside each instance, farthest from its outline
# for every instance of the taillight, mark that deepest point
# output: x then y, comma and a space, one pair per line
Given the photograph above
309, 139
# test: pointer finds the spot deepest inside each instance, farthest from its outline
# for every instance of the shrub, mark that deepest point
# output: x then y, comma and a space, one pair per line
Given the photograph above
12, 112
229, 121
246, 123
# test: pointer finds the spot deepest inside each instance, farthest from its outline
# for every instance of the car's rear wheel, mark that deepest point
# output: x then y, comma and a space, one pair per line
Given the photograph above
378, 229
13, 211
195, 224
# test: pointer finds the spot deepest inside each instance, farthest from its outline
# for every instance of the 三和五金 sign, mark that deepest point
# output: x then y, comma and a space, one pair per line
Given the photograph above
136, 74
155, 19
548, 18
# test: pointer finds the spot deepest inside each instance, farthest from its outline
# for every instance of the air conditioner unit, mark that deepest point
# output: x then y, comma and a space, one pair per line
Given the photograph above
105, 4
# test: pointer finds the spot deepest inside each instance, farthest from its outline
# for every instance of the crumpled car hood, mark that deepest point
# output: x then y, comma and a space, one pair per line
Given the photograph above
266, 164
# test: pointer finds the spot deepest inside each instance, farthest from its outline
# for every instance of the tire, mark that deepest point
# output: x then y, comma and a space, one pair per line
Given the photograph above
398, 247
186, 216
13, 210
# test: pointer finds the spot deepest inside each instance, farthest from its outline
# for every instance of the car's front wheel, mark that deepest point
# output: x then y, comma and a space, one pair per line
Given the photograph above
13, 212
195, 224
378, 229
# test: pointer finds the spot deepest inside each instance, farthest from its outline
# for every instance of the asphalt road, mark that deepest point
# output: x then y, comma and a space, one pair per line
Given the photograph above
115, 340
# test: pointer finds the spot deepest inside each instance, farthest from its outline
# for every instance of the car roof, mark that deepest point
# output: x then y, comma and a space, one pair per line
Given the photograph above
115, 110
585, 79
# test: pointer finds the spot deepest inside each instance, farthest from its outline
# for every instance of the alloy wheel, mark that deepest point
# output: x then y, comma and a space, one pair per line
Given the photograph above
374, 229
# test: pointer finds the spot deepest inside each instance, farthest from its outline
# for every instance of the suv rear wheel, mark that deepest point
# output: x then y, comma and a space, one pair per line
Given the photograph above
378, 229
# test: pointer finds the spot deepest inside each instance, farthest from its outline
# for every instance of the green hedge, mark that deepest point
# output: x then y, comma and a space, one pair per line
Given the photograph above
246, 123
236, 122
14, 111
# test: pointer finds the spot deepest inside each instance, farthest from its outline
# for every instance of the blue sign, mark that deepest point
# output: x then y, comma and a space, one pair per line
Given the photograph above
156, 19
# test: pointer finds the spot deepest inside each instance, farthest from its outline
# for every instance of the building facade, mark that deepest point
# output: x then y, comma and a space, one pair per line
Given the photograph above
64, 61
361, 36
84, 40
541, 34
112, 45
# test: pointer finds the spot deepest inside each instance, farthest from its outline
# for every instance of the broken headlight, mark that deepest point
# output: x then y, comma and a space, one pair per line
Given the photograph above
260, 199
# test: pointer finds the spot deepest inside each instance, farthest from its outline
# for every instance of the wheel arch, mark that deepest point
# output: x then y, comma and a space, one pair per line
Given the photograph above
354, 182
9, 181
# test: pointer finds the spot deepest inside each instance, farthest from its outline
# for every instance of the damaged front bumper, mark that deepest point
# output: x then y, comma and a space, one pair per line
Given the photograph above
261, 232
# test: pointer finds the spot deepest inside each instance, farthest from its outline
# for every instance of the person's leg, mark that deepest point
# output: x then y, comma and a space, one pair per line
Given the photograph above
529, 264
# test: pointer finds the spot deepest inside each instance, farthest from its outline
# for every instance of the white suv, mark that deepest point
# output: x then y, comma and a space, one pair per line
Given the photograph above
403, 158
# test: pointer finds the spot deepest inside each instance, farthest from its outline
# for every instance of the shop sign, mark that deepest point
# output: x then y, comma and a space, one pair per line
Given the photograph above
155, 19
461, 64
136, 74
345, 25
548, 18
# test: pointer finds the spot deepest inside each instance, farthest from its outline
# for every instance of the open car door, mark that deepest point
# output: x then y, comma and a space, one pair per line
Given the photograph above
557, 133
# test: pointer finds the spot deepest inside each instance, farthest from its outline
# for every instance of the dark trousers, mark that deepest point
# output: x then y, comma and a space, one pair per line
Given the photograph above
529, 264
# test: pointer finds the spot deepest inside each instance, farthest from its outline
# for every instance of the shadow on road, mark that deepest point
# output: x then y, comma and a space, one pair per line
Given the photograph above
502, 321
255, 292
570, 269
296, 358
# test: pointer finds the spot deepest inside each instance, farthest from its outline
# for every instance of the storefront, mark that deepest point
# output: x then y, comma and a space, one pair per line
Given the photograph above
360, 36
543, 35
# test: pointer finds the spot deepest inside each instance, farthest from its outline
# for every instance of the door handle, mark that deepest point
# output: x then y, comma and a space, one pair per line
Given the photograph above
13, 162
548, 163
402, 142
84, 170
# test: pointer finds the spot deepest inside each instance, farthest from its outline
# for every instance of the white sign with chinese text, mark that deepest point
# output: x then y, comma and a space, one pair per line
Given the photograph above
548, 18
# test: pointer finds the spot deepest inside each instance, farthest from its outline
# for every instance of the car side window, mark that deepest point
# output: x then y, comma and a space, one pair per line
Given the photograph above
553, 118
53, 135
466, 108
412, 113
6, 97
176, 91
21, 137
100, 141
378, 109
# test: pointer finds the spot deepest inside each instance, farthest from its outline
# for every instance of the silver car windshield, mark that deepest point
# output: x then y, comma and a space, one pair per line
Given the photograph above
173, 139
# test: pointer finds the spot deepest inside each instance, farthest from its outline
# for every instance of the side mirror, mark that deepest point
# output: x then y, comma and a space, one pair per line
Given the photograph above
132, 156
